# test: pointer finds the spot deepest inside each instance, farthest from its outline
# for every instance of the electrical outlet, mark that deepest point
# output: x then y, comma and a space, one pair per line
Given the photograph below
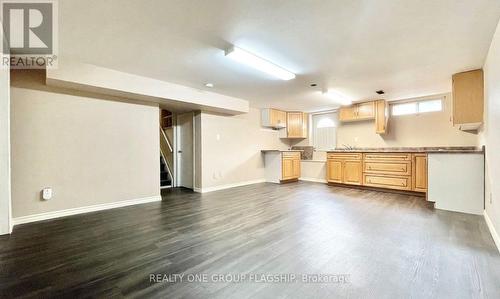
47, 193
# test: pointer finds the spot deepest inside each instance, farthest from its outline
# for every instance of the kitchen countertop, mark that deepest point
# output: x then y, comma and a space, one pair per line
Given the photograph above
443, 150
281, 151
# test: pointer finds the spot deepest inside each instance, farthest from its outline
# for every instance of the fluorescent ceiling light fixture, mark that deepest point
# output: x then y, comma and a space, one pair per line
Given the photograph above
337, 97
209, 85
258, 63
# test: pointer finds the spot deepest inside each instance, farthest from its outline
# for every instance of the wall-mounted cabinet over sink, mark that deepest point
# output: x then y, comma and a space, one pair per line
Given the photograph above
376, 110
357, 112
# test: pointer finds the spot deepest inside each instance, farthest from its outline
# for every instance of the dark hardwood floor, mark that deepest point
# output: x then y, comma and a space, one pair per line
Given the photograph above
386, 245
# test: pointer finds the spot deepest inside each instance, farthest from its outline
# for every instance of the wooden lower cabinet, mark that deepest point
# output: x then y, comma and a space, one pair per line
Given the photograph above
296, 168
345, 169
420, 172
290, 166
353, 172
399, 171
334, 171
287, 169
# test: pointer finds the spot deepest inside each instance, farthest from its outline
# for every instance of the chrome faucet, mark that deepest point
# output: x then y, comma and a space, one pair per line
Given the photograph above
348, 147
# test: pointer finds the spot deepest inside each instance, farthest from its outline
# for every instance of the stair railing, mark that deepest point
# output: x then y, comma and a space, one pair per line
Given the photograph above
167, 152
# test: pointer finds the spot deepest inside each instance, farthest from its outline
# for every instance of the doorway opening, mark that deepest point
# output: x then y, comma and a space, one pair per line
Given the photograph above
176, 149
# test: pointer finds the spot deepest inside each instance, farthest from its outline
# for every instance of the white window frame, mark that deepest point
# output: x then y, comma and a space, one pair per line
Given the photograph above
417, 105
312, 130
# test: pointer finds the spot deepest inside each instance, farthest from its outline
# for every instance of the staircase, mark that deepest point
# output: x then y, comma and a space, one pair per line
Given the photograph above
166, 150
165, 178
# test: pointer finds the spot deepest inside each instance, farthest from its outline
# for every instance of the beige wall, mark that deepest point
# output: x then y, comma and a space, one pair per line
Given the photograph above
490, 136
4, 152
230, 148
89, 150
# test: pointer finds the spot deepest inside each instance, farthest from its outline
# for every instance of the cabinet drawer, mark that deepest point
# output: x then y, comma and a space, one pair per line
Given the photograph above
390, 182
397, 168
387, 157
291, 155
344, 156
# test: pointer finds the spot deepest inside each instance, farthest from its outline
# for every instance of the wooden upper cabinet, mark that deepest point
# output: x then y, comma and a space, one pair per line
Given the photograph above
420, 172
294, 122
296, 125
366, 110
468, 98
381, 116
273, 118
357, 112
347, 113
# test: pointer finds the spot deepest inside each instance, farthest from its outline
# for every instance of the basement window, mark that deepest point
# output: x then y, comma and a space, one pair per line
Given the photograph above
324, 131
417, 107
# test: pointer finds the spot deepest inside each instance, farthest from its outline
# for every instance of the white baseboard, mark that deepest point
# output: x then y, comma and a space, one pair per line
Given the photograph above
494, 233
228, 186
313, 180
82, 210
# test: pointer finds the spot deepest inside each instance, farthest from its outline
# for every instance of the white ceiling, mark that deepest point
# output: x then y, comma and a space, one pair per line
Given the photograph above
408, 48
